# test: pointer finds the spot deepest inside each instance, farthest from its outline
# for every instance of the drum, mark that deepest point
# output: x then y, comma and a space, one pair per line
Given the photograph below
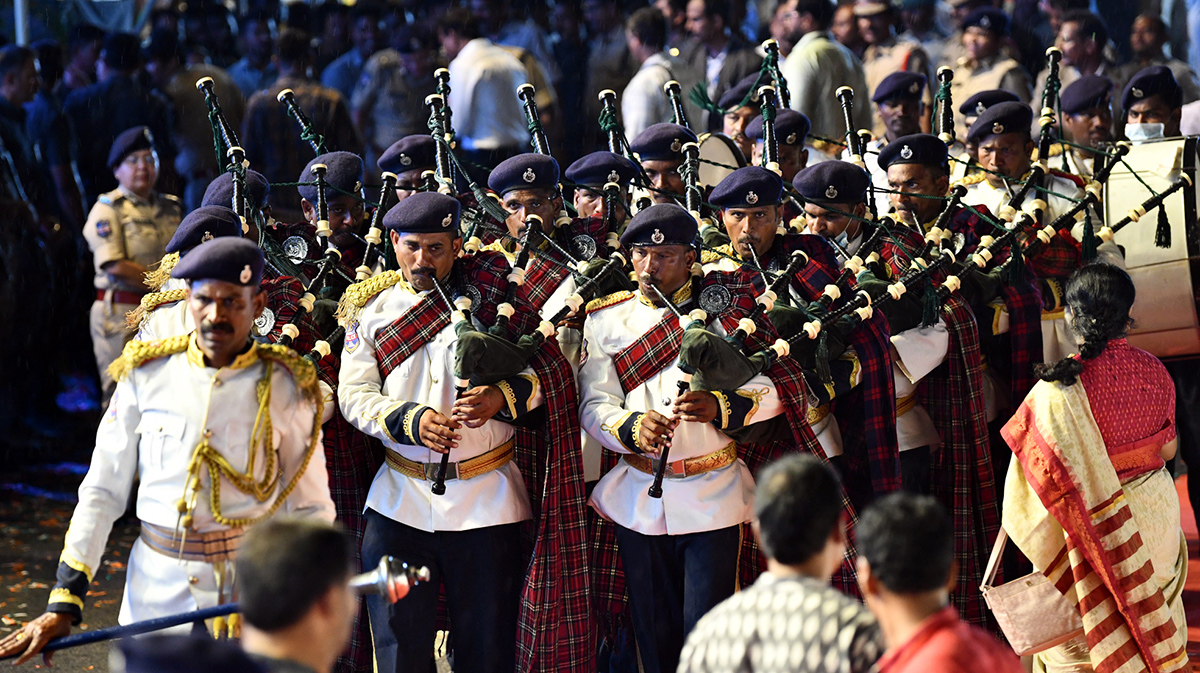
1165, 314
717, 151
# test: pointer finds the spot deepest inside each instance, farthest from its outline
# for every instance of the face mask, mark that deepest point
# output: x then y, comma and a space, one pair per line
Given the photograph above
1142, 132
842, 240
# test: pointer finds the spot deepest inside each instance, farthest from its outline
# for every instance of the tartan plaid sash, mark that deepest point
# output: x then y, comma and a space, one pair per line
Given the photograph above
410, 332
643, 359
542, 280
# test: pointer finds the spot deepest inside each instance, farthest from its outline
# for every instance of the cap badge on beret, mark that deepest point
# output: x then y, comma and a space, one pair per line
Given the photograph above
1137, 93
831, 193
791, 139
613, 177
676, 145
980, 107
246, 275
997, 128
657, 237
206, 237
449, 219
405, 160
906, 152
529, 175
914, 87
751, 198
985, 22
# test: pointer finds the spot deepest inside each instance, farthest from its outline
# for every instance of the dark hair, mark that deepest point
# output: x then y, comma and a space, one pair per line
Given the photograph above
649, 27
1155, 20
50, 60
798, 502
1068, 5
1090, 25
294, 46
247, 22
822, 11
286, 565
1100, 297
82, 35
909, 541
13, 58
717, 8
461, 22
163, 46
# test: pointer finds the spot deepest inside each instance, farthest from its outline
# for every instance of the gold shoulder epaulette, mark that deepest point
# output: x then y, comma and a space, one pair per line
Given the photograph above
709, 256
973, 179
151, 301
158, 277
137, 353
832, 149
608, 300
357, 295
304, 373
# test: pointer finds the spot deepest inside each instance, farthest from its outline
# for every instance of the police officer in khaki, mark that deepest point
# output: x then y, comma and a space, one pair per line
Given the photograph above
127, 231
986, 66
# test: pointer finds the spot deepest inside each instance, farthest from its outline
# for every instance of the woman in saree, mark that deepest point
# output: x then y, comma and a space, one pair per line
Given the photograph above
1088, 498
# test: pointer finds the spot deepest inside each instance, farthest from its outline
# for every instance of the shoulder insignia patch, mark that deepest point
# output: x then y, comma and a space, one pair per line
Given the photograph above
103, 228
609, 300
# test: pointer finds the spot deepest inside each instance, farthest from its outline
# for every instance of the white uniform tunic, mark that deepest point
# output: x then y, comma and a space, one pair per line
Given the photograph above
704, 502
155, 420
426, 377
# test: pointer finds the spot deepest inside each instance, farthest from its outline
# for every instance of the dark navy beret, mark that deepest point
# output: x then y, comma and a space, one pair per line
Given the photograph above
748, 187
409, 153
121, 51
791, 128
220, 191
128, 142
343, 173
918, 148
988, 18
900, 85
524, 171
424, 213
1001, 118
660, 224
732, 99
204, 224
1086, 93
1157, 80
182, 654
832, 182
598, 168
662, 142
230, 258
980, 102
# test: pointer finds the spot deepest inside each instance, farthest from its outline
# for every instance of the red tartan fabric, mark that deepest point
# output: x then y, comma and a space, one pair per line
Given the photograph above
867, 418
899, 248
1024, 305
822, 267
961, 472
541, 280
351, 457
649, 355
410, 332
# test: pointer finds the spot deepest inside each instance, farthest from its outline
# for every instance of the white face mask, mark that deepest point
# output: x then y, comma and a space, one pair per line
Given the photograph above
1142, 132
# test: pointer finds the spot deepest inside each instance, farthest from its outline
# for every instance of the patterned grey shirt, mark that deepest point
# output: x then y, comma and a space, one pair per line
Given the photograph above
784, 624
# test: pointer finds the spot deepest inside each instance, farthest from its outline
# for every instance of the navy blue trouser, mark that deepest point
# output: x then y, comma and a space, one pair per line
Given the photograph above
673, 580
481, 570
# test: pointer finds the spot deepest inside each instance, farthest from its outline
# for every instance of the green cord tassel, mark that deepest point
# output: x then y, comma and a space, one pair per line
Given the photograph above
822, 356
699, 96
1090, 241
1162, 234
930, 306
1016, 266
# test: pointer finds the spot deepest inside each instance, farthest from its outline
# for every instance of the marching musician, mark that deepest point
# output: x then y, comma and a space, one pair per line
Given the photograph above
750, 200
127, 230
660, 149
736, 115
1086, 122
965, 163
834, 195
409, 158
1152, 104
590, 173
689, 537
397, 384
899, 99
791, 134
188, 409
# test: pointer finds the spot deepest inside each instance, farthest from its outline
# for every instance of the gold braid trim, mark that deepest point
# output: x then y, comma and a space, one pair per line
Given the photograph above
357, 295
304, 373
137, 353
973, 179
138, 316
156, 278
609, 300
832, 149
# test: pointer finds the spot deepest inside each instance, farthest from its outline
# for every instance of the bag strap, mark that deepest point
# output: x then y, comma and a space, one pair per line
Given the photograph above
989, 574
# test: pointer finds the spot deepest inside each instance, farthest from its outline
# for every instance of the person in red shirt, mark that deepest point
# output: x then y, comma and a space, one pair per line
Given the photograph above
905, 571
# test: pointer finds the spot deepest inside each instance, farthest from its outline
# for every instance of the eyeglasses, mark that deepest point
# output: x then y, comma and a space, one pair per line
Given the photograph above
134, 159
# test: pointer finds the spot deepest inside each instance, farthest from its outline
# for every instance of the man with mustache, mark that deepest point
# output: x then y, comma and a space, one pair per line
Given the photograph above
899, 101
660, 149
590, 173
408, 158
679, 552
188, 413
736, 116
399, 383
1087, 121
791, 136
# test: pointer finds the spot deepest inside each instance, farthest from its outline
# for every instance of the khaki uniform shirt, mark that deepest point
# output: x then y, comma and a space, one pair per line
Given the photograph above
124, 226
881, 60
972, 77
